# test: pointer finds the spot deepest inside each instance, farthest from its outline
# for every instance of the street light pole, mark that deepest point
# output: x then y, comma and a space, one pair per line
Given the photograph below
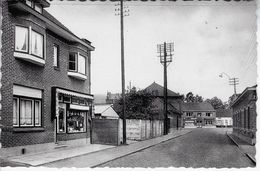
232, 81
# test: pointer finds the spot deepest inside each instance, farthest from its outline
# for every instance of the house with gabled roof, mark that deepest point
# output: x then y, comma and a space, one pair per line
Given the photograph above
105, 111
198, 115
45, 92
174, 105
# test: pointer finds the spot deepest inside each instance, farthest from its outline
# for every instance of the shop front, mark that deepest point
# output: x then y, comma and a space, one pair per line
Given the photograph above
71, 114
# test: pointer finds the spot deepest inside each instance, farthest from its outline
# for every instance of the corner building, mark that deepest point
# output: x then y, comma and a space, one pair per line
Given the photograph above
45, 80
244, 115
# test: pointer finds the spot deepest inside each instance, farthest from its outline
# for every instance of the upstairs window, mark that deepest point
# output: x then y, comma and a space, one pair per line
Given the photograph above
188, 114
77, 63
29, 3
56, 56
26, 36
77, 66
82, 64
21, 39
72, 61
208, 114
36, 6
37, 44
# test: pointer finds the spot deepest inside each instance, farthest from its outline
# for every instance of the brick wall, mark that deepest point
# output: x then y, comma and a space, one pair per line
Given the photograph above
240, 127
15, 71
0, 70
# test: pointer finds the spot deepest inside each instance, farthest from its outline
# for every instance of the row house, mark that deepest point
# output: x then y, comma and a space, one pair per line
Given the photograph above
45, 80
244, 115
198, 115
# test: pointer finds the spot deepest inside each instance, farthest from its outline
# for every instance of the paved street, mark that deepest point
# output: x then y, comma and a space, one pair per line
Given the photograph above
200, 148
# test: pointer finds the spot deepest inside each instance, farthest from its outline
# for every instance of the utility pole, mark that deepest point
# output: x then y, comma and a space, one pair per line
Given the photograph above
165, 60
232, 81
122, 14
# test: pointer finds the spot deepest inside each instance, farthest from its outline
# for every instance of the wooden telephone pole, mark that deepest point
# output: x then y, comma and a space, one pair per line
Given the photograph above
165, 59
122, 14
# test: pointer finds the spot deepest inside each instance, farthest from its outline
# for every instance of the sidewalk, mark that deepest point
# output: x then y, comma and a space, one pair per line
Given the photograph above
57, 154
247, 149
87, 157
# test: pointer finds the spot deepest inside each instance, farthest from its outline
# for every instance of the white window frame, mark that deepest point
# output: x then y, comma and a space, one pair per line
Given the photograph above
29, 48
85, 60
76, 62
29, 3
17, 110
28, 40
77, 55
75, 73
20, 111
38, 8
33, 95
40, 115
56, 55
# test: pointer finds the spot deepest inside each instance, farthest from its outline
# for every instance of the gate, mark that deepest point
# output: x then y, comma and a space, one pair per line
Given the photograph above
105, 131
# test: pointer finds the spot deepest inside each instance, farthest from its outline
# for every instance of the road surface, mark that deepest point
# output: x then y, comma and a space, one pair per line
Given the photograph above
201, 148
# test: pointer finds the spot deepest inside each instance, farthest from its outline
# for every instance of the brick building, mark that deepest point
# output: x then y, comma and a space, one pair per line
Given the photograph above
244, 115
45, 80
112, 98
174, 105
198, 115
1, 16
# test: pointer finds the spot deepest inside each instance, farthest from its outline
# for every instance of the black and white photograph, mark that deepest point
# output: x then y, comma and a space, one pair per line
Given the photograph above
129, 84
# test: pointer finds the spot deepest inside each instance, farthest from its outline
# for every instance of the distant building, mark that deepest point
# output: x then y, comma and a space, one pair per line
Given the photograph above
105, 111
112, 98
174, 105
198, 115
99, 99
244, 115
224, 118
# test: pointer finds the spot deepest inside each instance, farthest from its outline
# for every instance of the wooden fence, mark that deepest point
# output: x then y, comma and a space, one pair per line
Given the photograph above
141, 129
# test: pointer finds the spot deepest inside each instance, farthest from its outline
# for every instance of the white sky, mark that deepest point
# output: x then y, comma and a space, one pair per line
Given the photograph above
209, 37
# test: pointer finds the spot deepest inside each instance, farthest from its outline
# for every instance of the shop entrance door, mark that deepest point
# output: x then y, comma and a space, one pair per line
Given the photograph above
60, 122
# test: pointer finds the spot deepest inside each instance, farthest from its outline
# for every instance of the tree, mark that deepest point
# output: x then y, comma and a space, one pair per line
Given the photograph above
138, 105
191, 98
216, 103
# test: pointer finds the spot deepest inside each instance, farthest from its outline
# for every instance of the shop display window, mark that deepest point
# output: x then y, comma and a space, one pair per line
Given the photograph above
76, 121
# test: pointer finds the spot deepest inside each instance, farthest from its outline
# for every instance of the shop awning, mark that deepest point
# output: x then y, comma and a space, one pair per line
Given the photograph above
71, 93
78, 107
